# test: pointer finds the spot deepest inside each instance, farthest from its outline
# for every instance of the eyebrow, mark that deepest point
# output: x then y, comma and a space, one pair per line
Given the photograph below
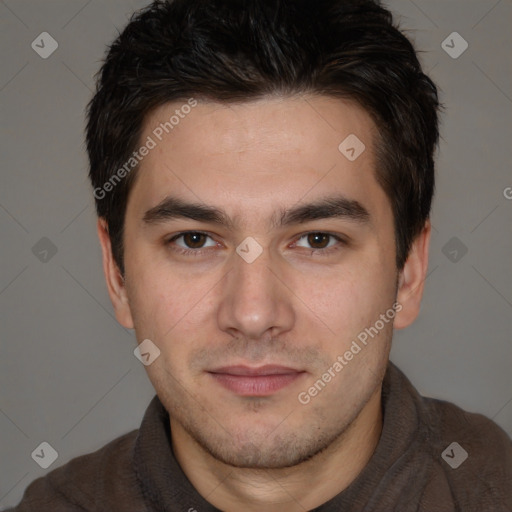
338, 207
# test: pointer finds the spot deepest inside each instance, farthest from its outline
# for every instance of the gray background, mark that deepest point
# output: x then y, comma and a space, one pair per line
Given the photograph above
68, 375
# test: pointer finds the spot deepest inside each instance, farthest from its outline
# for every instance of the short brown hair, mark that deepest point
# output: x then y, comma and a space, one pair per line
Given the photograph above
241, 50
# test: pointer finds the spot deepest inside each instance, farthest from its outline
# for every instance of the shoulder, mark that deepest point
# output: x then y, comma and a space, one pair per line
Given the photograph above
88, 482
472, 453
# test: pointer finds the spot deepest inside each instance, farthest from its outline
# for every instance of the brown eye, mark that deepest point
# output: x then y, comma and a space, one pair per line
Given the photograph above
321, 243
194, 240
191, 242
318, 240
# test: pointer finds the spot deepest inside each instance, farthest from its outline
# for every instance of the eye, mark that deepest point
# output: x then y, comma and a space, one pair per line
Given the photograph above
196, 242
320, 241
191, 242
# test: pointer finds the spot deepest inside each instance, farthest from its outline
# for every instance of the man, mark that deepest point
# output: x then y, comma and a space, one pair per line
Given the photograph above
263, 175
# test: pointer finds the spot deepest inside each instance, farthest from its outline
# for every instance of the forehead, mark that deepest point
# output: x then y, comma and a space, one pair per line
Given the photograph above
271, 123
255, 156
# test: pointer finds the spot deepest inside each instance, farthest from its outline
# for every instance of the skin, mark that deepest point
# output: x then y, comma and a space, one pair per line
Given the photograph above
293, 305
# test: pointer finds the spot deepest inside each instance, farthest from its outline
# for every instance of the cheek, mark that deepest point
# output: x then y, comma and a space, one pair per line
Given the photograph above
348, 300
171, 282
170, 306
156, 300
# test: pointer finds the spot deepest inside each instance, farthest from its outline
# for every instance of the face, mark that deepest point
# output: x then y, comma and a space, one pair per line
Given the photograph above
256, 255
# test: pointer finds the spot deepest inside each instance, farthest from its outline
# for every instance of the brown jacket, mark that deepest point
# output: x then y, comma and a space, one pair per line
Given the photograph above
415, 467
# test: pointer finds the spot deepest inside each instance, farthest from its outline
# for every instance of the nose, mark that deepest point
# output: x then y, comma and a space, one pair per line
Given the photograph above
254, 302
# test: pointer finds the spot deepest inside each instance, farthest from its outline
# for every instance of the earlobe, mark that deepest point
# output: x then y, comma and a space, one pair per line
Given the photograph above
114, 279
411, 279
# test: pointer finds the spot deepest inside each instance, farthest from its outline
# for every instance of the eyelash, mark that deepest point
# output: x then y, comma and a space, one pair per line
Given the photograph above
199, 252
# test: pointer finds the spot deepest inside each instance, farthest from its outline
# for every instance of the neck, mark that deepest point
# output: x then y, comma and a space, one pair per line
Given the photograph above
302, 487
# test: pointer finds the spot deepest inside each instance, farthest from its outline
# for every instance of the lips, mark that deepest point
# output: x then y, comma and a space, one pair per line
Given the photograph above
260, 381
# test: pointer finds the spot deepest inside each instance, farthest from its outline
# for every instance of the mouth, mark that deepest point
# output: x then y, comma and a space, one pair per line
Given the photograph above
260, 381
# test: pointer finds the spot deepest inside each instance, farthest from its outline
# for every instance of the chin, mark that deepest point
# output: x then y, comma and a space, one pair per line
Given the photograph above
265, 451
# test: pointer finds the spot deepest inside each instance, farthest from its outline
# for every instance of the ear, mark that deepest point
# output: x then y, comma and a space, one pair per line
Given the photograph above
115, 281
411, 280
